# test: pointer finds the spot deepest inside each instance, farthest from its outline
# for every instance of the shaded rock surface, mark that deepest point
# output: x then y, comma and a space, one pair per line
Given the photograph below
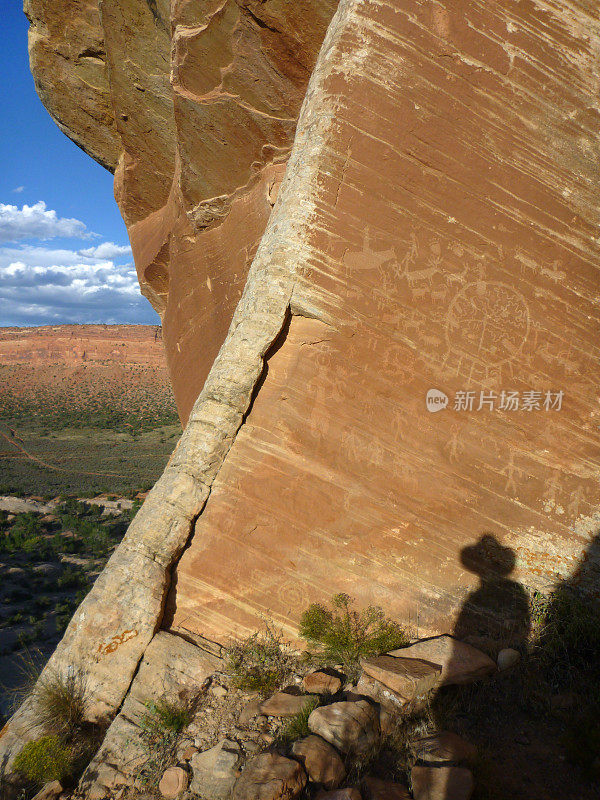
352, 727
340, 794
441, 783
270, 776
321, 761
377, 789
458, 661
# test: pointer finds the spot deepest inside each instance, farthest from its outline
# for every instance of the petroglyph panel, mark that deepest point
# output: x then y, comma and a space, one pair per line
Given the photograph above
452, 245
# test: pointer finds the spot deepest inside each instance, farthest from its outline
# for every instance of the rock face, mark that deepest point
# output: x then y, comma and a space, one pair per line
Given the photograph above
194, 105
75, 344
424, 295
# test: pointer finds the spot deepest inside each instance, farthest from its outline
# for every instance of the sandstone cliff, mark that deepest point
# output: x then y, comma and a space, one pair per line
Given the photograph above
436, 229
73, 344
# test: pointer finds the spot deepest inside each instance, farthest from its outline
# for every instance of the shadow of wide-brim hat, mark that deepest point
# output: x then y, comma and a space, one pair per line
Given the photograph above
488, 555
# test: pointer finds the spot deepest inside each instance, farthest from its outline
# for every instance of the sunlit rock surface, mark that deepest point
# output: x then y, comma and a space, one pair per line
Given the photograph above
438, 225
194, 103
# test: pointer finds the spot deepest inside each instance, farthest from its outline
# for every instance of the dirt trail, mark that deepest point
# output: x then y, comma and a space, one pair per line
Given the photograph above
15, 442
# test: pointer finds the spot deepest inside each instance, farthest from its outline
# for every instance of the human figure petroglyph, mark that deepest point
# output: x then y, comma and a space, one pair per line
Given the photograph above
576, 498
512, 473
415, 321
454, 446
552, 487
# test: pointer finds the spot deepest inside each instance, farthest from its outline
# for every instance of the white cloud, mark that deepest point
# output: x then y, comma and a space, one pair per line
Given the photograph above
106, 250
18, 189
37, 222
44, 286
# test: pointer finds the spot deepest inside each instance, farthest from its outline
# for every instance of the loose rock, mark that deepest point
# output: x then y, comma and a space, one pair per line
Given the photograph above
215, 770
507, 658
443, 748
250, 710
441, 783
459, 662
173, 783
383, 695
286, 703
270, 776
352, 727
408, 677
323, 682
321, 761
50, 791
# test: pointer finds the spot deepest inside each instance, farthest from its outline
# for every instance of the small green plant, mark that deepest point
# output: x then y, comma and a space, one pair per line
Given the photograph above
44, 760
168, 717
262, 662
297, 726
161, 729
60, 702
343, 635
566, 633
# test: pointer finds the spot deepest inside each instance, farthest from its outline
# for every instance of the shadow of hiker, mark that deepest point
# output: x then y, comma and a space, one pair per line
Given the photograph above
496, 614
534, 722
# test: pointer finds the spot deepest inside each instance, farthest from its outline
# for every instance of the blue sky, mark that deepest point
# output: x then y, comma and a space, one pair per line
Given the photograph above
64, 251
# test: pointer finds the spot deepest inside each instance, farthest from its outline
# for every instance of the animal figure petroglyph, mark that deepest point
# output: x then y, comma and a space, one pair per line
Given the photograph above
554, 272
367, 258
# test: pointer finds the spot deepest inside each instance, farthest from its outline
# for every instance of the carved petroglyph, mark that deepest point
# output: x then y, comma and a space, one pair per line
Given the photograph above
513, 474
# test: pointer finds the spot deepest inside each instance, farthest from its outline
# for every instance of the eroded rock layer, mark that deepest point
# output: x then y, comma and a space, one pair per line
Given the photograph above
194, 104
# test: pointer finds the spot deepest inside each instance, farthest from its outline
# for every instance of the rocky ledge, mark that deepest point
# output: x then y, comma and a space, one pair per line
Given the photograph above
321, 734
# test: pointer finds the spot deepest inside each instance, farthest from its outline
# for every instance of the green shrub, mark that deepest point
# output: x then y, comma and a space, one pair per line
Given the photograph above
47, 759
297, 726
161, 729
566, 633
262, 662
168, 717
343, 636
60, 703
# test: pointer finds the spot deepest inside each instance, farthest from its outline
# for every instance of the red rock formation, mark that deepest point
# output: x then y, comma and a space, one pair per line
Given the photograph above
204, 98
73, 344
434, 245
